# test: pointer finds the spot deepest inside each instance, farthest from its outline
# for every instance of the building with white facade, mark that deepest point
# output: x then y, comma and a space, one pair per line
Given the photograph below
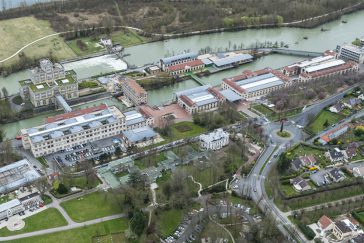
10, 208
133, 91
199, 99
74, 128
250, 85
47, 82
140, 137
214, 140
350, 52
181, 68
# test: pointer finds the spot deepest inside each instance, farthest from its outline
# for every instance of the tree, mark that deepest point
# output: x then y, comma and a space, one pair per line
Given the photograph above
283, 163
62, 189
138, 222
118, 152
326, 123
2, 135
5, 92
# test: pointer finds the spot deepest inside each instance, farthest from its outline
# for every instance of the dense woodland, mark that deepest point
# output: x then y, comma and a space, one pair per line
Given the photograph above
178, 16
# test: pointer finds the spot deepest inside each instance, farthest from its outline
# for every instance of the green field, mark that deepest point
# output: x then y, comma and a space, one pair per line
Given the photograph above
186, 129
15, 33
80, 235
273, 115
49, 218
92, 206
302, 149
149, 161
318, 124
168, 221
91, 44
79, 182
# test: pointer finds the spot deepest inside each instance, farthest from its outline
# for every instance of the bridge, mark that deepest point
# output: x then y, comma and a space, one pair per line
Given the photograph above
62, 103
296, 52
197, 79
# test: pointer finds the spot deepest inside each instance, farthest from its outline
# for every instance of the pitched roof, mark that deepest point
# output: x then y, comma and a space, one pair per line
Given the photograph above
325, 221
185, 65
132, 84
76, 113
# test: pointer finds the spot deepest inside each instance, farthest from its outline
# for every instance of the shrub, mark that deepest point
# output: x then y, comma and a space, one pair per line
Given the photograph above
307, 231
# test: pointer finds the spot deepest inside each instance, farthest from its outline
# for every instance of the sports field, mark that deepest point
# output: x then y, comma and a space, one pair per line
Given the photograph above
16, 33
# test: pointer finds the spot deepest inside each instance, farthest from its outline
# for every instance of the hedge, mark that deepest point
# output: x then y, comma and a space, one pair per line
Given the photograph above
307, 231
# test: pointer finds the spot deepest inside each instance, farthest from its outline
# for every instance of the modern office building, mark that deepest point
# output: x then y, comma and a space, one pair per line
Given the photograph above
350, 52
135, 119
199, 99
250, 85
134, 92
214, 140
48, 82
74, 128
10, 208
177, 59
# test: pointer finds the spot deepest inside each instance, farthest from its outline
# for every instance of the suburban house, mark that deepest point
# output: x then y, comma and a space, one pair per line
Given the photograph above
358, 171
336, 175
344, 229
325, 223
350, 153
338, 107
352, 102
332, 134
214, 140
301, 161
300, 184
336, 155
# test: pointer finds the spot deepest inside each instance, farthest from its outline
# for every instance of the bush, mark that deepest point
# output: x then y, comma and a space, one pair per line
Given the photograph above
62, 189
307, 231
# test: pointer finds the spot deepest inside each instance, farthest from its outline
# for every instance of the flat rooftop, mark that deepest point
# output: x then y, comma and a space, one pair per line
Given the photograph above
133, 117
260, 82
139, 134
65, 81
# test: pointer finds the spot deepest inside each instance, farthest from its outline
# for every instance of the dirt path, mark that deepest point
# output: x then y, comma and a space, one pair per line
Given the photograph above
199, 184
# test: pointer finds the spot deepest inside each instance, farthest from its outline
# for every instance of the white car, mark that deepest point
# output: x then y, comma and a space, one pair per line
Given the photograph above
235, 187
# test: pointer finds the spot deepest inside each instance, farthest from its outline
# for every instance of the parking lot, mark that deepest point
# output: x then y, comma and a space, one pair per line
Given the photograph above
86, 151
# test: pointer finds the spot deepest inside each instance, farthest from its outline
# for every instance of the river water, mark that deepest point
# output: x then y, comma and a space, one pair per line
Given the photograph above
318, 40
7, 4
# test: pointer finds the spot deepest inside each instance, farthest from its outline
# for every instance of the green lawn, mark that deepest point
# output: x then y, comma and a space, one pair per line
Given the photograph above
46, 219
90, 45
273, 115
307, 150
80, 235
318, 124
288, 190
127, 38
92, 206
186, 129
79, 182
168, 221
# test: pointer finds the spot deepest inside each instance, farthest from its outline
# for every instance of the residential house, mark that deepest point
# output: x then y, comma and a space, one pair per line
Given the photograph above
301, 161
336, 175
358, 171
352, 102
325, 223
358, 239
300, 184
338, 107
361, 96
332, 134
344, 229
350, 153
335, 155
353, 145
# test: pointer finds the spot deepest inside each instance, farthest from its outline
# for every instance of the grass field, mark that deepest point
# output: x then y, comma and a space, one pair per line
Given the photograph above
149, 161
115, 237
274, 116
91, 44
168, 221
15, 33
92, 206
186, 129
318, 124
307, 150
80, 235
79, 182
46, 219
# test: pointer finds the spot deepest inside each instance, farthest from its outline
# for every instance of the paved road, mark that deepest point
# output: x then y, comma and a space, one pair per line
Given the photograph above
63, 228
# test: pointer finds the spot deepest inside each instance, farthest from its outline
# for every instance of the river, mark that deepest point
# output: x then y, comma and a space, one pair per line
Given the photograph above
7, 4
318, 40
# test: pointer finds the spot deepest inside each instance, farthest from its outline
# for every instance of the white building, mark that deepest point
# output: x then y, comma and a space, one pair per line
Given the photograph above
358, 171
214, 140
74, 128
350, 52
177, 59
10, 208
134, 119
